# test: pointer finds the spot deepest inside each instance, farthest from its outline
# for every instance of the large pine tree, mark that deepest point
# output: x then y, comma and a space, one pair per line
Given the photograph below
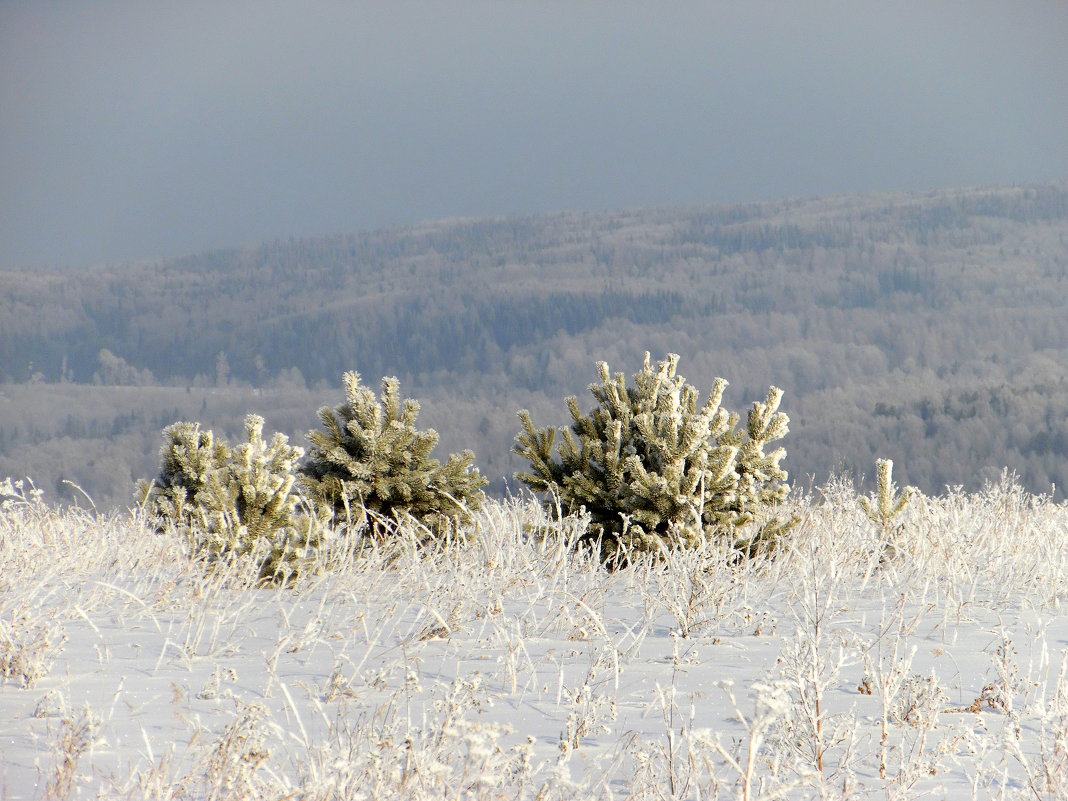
655, 470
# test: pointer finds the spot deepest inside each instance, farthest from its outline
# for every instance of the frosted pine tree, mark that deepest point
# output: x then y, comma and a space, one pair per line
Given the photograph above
369, 461
190, 462
654, 470
884, 506
233, 501
761, 481
263, 488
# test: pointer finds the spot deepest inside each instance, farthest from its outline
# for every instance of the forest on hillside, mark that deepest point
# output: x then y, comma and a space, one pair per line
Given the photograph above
929, 329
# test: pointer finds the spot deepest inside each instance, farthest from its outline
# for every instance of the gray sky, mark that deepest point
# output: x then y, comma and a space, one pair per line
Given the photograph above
139, 128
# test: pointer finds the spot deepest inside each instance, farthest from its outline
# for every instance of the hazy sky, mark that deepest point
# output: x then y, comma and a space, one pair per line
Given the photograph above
139, 129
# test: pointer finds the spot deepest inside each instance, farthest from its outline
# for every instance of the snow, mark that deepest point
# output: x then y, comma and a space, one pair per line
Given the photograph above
922, 660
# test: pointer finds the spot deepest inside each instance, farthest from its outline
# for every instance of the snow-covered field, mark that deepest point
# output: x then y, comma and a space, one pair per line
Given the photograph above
923, 661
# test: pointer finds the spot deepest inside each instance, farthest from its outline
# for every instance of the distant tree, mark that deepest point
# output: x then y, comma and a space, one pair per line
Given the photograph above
116, 371
222, 370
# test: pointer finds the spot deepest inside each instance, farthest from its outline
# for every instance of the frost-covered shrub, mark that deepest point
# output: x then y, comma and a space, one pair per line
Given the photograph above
369, 461
29, 644
655, 471
233, 500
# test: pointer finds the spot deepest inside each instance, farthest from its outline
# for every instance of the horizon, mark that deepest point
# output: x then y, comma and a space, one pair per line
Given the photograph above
140, 131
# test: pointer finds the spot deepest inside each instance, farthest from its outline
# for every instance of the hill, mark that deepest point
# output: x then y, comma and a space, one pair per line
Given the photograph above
929, 329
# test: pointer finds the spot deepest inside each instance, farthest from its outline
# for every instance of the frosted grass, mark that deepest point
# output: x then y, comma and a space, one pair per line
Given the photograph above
927, 660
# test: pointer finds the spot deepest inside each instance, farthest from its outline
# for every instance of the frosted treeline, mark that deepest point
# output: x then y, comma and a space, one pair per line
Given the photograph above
928, 329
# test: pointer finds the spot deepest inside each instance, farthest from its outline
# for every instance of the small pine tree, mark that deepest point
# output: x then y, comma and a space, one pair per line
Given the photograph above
655, 471
232, 500
883, 507
371, 461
